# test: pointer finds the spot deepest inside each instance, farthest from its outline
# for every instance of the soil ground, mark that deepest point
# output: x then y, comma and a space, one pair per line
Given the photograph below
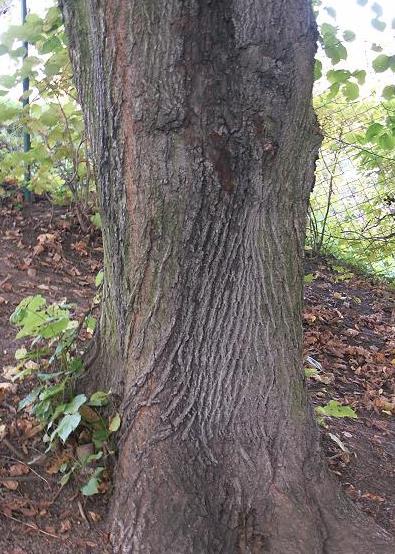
349, 335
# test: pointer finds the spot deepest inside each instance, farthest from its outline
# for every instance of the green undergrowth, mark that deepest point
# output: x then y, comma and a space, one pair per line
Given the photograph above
71, 421
348, 267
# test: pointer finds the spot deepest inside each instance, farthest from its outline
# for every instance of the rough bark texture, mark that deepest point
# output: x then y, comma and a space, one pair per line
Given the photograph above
204, 142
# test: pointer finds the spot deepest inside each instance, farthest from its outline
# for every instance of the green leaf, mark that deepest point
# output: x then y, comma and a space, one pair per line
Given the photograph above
75, 365
28, 65
50, 116
58, 411
96, 220
336, 52
360, 75
3, 49
333, 90
330, 11
90, 323
99, 278
335, 409
94, 457
91, 487
54, 329
18, 52
41, 409
8, 81
350, 91
51, 45
20, 353
327, 30
338, 75
25, 307
377, 24
30, 398
381, 63
310, 371
52, 391
317, 70
67, 425
349, 36
386, 141
388, 92
115, 423
32, 29
52, 19
74, 405
49, 376
66, 478
377, 9
309, 278
99, 398
99, 437
373, 130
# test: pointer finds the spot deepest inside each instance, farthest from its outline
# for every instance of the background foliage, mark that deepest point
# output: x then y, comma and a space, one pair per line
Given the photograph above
352, 206
59, 158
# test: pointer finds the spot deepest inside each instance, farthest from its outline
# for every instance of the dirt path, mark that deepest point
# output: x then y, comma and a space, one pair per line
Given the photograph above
42, 253
349, 330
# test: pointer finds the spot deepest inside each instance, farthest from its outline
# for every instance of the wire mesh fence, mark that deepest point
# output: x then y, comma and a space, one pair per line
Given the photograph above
352, 206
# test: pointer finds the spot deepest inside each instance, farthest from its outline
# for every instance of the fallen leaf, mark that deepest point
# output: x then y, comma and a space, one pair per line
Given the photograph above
11, 371
352, 332
18, 469
65, 526
94, 516
57, 461
373, 497
10, 485
84, 450
3, 431
6, 389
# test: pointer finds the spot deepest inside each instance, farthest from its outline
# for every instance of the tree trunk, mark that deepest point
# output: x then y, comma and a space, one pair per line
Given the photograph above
204, 142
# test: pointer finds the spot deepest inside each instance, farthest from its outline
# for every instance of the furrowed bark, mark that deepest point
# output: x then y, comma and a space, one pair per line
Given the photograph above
204, 142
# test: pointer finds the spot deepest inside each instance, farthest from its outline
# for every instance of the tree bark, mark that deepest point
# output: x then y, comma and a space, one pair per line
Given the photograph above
204, 142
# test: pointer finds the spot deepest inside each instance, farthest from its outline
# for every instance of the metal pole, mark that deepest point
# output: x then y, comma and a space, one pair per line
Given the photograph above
25, 101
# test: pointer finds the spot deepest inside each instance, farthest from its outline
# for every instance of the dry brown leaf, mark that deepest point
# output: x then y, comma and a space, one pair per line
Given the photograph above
10, 485
352, 332
65, 526
89, 414
18, 469
94, 516
373, 497
57, 461
7, 389
3, 431
84, 450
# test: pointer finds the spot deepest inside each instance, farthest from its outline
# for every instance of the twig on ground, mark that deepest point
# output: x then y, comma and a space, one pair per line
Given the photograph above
14, 450
3, 282
32, 526
83, 515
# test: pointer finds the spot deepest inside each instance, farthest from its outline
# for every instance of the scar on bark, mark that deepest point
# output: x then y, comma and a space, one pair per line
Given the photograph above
264, 129
221, 159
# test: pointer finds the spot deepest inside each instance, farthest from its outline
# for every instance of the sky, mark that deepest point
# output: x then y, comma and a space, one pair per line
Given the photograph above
349, 15
14, 17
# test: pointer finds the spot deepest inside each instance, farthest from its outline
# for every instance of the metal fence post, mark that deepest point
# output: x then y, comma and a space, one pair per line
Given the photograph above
25, 101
